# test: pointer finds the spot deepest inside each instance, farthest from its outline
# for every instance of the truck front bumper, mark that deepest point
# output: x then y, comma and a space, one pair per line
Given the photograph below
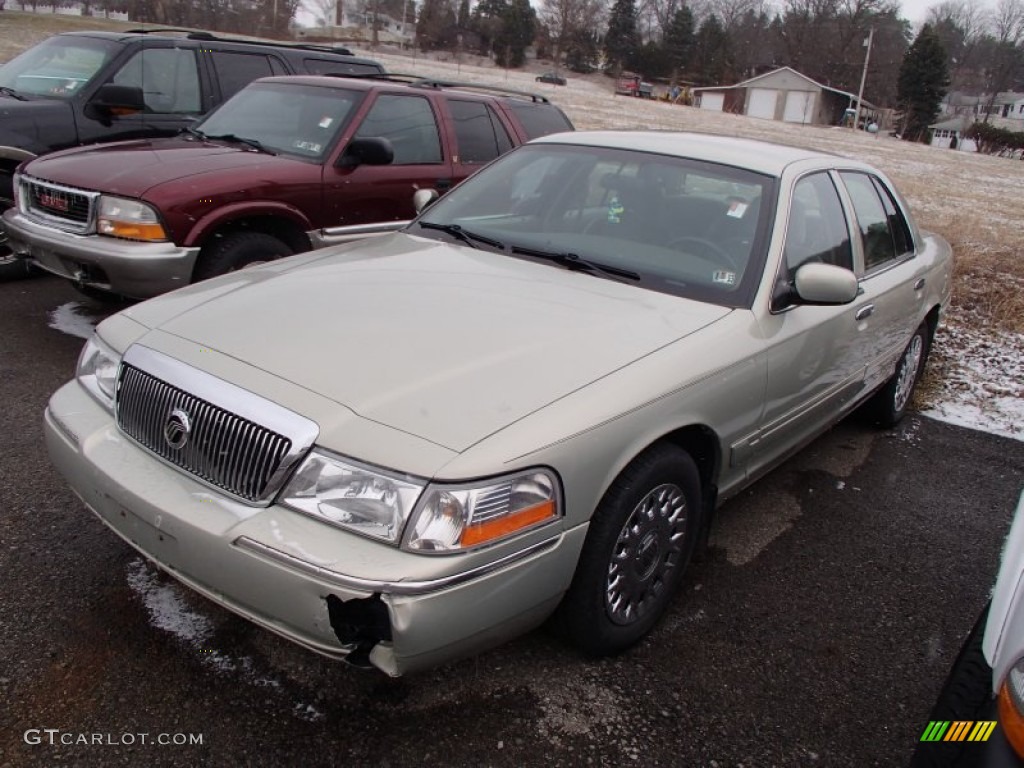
133, 269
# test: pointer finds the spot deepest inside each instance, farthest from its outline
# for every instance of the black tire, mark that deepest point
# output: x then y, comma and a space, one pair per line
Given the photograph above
889, 404
17, 268
237, 250
634, 558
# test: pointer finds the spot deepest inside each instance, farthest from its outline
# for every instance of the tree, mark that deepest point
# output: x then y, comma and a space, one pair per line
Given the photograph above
622, 41
679, 39
922, 83
581, 51
518, 25
711, 62
571, 23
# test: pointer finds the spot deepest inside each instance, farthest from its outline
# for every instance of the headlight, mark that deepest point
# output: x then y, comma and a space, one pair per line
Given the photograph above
19, 193
352, 495
129, 219
455, 517
1011, 707
97, 370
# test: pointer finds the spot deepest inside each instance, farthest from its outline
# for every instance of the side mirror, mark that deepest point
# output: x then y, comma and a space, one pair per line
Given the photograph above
422, 198
825, 284
368, 150
111, 100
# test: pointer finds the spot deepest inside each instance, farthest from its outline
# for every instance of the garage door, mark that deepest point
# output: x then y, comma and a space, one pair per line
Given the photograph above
713, 101
799, 107
762, 103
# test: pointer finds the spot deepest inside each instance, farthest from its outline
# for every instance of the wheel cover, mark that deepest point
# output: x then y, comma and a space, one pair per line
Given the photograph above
907, 374
646, 555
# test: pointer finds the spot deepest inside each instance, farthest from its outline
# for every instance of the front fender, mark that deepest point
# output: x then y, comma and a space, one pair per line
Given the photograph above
212, 221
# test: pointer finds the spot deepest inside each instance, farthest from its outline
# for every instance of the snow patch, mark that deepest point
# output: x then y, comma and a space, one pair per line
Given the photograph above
71, 319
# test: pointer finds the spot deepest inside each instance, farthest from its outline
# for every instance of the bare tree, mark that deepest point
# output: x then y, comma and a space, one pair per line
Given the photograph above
564, 18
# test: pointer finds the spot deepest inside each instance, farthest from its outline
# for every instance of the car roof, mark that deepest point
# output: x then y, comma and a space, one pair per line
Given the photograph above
760, 156
367, 82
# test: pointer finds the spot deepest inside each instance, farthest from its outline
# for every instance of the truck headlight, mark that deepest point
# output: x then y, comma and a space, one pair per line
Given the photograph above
130, 219
1011, 708
351, 495
97, 370
455, 517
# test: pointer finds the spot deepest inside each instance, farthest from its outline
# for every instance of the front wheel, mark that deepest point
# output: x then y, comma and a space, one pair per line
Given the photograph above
641, 539
888, 406
237, 250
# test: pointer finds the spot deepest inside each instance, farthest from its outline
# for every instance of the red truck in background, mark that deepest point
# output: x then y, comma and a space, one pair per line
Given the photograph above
631, 84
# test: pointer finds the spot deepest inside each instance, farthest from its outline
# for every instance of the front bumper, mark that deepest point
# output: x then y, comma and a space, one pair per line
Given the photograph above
271, 566
134, 269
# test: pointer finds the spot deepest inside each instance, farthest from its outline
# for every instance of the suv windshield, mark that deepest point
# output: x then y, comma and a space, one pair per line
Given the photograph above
59, 67
675, 225
299, 120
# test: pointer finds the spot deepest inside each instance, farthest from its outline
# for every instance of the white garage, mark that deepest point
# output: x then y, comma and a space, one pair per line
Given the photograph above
799, 107
762, 103
712, 101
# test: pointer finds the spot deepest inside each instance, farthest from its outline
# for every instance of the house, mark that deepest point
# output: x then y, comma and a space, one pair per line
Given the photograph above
784, 94
949, 133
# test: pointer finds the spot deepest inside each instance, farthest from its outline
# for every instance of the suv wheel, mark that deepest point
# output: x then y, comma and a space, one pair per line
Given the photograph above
237, 250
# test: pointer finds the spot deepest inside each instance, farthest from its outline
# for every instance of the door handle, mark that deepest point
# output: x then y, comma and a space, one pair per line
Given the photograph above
865, 311
919, 284
443, 183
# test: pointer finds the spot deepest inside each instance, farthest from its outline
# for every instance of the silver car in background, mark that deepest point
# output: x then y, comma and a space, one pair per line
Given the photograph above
528, 402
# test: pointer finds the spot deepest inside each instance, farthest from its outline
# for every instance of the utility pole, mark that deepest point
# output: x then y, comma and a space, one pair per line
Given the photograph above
863, 77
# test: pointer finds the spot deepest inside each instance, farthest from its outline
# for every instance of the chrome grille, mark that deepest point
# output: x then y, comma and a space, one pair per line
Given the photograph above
222, 448
65, 207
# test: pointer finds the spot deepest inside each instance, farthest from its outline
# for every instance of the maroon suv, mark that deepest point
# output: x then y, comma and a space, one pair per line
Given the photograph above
286, 165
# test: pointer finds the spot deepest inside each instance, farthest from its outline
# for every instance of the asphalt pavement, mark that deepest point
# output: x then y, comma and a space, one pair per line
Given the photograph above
816, 630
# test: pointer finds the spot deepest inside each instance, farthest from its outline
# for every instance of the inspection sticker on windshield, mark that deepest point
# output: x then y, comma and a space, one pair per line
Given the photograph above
724, 277
325, 122
737, 209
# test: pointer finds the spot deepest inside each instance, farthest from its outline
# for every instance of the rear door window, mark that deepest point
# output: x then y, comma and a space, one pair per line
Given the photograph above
538, 118
236, 70
480, 135
884, 232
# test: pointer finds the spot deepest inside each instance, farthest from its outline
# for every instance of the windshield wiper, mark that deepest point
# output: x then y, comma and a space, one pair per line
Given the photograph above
575, 262
463, 235
230, 137
6, 91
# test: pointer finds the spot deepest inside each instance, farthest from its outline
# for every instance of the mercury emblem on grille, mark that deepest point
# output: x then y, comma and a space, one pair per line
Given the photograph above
177, 428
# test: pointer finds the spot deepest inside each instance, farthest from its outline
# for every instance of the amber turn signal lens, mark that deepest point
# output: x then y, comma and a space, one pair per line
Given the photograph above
502, 526
1012, 720
131, 230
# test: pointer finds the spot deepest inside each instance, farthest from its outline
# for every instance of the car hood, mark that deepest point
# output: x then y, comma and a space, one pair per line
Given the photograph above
131, 168
443, 342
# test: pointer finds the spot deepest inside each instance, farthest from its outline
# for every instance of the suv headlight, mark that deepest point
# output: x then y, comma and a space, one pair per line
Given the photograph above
97, 370
1011, 707
130, 219
352, 495
456, 517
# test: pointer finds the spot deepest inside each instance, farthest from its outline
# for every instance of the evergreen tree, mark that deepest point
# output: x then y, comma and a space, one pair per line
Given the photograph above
922, 84
711, 62
463, 16
581, 51
487, 21
679, 40
622, 41
519, 22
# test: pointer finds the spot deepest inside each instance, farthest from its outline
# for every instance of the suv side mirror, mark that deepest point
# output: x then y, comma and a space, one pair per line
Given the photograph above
367, 150
111, 100
422, 198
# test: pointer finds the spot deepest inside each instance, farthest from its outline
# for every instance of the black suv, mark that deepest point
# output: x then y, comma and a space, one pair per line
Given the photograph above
88, 87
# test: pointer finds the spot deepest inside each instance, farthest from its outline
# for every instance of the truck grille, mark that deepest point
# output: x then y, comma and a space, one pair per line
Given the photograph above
220, 447
65, 207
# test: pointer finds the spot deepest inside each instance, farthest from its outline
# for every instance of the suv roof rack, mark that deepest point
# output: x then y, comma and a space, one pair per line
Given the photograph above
194, 34
419, 81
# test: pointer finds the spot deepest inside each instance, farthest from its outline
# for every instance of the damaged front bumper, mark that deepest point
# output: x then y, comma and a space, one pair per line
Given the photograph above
316, 585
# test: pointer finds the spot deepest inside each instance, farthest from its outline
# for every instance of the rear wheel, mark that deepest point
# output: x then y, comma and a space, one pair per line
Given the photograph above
237, 250
641, 539
888, 406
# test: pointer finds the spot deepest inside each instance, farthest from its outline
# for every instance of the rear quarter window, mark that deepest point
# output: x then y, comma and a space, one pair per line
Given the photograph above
539, 119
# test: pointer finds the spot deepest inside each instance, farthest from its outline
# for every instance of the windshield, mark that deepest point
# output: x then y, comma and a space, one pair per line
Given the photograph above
681, 226
59, 67
299, 120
